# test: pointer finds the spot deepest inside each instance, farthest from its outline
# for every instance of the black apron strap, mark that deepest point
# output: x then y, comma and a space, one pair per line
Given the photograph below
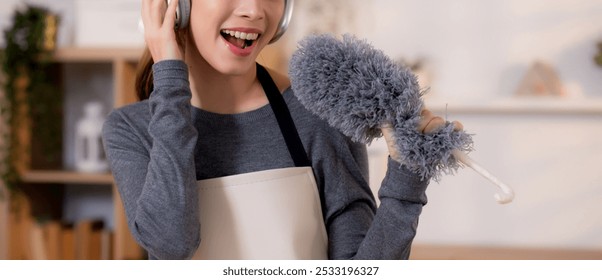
283, 116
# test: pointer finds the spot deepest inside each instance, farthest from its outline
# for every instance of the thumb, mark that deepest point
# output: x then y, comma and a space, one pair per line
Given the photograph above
388, 133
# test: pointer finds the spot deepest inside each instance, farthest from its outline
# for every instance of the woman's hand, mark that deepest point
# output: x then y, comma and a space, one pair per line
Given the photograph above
429, 123
159, 30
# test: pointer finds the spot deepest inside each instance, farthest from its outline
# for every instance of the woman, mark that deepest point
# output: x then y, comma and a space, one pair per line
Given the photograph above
219, 160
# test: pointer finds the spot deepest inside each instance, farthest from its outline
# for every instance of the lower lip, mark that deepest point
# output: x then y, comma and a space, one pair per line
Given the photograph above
238, 51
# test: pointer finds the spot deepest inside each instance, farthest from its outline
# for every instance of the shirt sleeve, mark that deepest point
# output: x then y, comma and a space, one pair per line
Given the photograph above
157, 180
357, 229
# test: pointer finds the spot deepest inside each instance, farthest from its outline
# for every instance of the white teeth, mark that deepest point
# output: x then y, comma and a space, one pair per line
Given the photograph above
241, 35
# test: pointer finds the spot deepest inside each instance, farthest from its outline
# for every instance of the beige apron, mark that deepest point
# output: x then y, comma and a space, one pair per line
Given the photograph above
270, 214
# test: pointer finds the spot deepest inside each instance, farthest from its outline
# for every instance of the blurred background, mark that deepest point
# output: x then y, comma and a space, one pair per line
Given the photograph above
524, 77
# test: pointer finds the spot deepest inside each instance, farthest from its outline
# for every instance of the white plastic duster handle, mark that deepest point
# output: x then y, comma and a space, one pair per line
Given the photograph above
507, 194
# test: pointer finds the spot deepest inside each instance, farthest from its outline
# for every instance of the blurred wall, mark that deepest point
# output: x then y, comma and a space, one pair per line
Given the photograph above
482, 48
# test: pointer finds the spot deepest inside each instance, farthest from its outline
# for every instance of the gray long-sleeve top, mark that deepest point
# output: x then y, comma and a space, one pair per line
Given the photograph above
160, 147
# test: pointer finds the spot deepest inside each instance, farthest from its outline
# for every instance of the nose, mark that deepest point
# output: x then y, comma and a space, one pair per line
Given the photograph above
250, 9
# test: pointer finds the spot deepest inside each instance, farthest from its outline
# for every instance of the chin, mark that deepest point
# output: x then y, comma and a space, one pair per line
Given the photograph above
236, 68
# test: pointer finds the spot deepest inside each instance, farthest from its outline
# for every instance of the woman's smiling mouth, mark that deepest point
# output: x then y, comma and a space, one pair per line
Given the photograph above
240, 39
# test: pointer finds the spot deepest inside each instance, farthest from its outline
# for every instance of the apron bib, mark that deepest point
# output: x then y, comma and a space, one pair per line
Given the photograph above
270, 214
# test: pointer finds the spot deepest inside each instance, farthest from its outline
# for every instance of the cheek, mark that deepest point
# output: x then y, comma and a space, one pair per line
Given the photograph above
199, 22
202, 30
276, 17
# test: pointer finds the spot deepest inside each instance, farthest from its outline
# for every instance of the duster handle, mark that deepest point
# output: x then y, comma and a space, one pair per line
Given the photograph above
507, 194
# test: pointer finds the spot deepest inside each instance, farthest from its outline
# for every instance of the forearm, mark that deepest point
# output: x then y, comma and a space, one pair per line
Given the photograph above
388, 234
158, 181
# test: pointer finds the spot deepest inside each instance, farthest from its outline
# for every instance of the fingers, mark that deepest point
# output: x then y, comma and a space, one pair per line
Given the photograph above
152, 14
458, 126
158, 14
145, 11
158, 19
170, 15
431, 123
387, 130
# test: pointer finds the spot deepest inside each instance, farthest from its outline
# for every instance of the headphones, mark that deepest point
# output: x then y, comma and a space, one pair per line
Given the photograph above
183, 17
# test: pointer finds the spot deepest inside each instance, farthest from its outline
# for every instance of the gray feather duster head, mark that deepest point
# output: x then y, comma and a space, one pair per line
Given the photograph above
357, 89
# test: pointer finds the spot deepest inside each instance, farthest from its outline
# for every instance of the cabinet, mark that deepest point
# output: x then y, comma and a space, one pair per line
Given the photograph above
15, 230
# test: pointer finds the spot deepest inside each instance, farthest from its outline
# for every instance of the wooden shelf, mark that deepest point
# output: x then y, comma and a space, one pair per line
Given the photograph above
518, 105
66, 177
472, 252
75, 54
16, 230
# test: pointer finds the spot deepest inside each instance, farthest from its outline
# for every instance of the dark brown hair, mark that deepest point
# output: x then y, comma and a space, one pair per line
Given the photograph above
144, 73
144, 76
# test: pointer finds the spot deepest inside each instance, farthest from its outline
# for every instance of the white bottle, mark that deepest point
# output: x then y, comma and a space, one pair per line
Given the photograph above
89, 153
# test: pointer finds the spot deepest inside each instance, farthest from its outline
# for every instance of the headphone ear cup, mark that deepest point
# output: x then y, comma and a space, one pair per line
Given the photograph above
183, 14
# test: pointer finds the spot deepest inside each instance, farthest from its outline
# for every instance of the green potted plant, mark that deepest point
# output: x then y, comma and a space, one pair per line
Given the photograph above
30, 93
